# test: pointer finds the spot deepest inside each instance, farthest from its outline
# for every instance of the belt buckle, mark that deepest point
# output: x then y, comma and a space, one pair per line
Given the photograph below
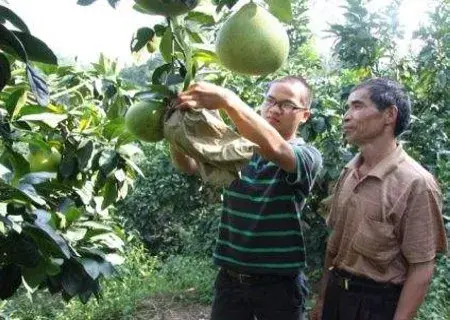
346, 284
242, 276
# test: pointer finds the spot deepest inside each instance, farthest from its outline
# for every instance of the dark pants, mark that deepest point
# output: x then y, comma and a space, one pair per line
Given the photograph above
358, 298
266, 298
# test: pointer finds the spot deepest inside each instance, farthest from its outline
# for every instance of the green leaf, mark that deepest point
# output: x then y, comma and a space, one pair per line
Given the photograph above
36, 49
114, 128
35, 276
85, 2
166, 45
108, 161
52, 268
16, 101
72, 278
228, 3
86, 192
16, 209
140, 39
114, 258
161, 74
11, 44
110, 193
109, 240
38, 86
159, 29
68, 166
20, 250
194, 36
204, 55
95, 226
319, 124
5, 174
5, 71
8, 193
8, 15
29, 191
156, 92
85, 154
281, 9
91, 267
201, 18
50, 119
37, 177
130, 150
46, 237
106, 269
18, 162
72, 214
113, 3
75, 234
135, 167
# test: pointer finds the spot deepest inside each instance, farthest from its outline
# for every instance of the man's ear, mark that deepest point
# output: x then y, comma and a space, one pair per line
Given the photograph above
305, 115
391, 114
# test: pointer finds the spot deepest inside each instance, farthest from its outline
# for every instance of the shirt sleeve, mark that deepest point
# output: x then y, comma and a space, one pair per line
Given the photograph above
422, 228
308, 165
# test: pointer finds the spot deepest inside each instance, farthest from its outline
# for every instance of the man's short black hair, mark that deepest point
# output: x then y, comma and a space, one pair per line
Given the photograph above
385, 93
296, 79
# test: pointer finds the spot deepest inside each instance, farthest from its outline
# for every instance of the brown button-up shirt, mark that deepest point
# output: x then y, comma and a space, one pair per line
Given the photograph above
386, 220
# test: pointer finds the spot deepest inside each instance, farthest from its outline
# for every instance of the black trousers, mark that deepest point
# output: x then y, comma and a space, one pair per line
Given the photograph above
268, 298
360, 299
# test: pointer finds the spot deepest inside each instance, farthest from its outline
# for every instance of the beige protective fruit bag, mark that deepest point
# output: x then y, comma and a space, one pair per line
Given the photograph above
203, 135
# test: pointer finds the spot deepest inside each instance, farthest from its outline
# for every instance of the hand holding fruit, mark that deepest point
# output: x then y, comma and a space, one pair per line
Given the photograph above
206, 95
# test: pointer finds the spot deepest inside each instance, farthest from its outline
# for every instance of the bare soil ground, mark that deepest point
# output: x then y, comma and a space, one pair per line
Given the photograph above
169, 308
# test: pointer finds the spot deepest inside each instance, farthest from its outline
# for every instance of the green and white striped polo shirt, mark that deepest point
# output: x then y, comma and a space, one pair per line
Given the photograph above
260, 229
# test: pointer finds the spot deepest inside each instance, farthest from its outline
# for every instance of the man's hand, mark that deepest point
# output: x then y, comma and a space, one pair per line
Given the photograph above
182, 162
206, 95
316, 312
271, 145
414, 290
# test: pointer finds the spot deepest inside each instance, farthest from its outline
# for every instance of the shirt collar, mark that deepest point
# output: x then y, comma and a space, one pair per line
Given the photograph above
385, 166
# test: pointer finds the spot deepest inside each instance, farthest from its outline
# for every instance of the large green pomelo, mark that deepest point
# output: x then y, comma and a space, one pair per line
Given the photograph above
252, 41
145, 119
45, 160
168, 8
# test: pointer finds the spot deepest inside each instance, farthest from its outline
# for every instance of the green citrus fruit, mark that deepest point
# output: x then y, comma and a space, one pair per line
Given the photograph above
252, 41
153, 44
168, 8
45, 160
145, 119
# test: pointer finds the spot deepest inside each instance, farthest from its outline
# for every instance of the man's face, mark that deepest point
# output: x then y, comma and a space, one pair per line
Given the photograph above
283, 107
363, 122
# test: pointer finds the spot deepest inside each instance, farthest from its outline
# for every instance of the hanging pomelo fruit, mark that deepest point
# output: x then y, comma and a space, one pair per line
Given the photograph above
144, 119
168, 8
252, 41
48, 161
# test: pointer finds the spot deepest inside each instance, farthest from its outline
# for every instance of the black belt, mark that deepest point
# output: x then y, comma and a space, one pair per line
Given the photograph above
352, 283
246, 278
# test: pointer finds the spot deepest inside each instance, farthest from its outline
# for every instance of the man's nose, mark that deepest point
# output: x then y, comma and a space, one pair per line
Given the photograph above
275, 108
347, 116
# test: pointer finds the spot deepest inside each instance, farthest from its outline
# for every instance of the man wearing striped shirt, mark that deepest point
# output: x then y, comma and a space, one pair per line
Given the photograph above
260, 247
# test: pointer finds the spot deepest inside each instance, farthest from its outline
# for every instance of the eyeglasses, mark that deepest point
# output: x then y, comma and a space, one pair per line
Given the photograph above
285, 105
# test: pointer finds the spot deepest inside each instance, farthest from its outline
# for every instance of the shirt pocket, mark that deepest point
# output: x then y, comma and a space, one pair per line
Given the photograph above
376, 241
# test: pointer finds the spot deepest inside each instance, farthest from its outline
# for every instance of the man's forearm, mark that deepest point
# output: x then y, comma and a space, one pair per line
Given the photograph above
326, 272
183, 162
414, 290
253, 127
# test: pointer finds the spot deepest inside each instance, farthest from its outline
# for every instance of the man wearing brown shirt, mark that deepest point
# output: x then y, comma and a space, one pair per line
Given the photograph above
385, 217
